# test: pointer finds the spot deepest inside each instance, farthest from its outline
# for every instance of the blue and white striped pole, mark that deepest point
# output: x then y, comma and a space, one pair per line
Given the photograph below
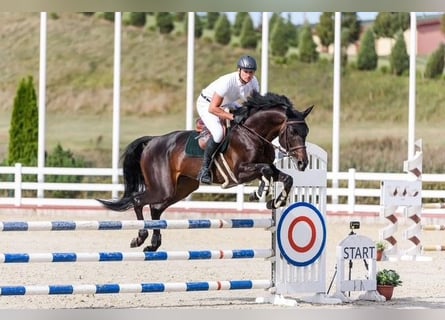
134, 288
134, 224
134, 256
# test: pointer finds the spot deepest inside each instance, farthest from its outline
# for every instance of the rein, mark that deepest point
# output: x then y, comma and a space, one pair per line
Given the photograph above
283, 128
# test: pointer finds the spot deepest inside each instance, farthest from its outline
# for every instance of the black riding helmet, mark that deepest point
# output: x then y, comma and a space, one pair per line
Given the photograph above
247, 63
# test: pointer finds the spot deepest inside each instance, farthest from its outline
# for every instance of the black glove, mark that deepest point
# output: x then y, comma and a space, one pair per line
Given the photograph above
239, 119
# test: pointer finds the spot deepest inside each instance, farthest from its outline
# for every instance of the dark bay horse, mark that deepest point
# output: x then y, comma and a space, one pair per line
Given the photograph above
158, 172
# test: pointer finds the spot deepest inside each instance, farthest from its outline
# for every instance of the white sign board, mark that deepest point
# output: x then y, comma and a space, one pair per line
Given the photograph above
401, 193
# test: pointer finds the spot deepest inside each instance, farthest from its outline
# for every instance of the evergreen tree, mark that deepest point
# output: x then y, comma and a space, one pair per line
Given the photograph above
350, 21
138, 19
399, 59
199, 26
223, 33
278, 43
307, 47
367, 56
164, 22
325, 29
389, 24
248, 36
212, 17
435, 64
291, 32
23, 132
238, 24
273, 20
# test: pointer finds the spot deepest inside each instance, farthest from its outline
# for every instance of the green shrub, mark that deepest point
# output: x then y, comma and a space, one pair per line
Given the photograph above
137, 19
64, 159
435, 63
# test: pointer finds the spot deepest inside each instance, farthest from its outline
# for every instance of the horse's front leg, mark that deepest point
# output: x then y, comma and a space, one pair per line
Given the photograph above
281, 199
263, 190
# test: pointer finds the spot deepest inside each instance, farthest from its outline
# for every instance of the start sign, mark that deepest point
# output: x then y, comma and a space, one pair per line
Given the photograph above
356, 247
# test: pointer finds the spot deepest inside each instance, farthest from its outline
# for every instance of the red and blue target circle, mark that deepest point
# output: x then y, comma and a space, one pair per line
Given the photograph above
301, 234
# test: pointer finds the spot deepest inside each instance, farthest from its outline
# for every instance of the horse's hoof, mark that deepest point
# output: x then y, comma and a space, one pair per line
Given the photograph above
149, 249
134, 243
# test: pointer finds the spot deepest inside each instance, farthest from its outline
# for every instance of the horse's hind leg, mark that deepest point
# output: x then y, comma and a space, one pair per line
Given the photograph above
156, 238
138, 209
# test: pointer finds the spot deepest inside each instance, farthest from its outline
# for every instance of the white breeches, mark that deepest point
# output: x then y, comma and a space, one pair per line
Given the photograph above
212, 122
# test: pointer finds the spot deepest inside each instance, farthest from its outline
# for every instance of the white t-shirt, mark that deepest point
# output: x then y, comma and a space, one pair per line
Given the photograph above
231, 88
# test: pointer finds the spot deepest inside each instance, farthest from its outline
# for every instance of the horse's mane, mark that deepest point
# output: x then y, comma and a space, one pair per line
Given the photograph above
257, 102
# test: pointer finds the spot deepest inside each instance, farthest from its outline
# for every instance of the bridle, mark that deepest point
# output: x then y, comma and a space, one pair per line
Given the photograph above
283, 130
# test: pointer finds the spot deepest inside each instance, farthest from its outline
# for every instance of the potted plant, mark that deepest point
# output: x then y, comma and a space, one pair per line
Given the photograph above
387, 280
380, 247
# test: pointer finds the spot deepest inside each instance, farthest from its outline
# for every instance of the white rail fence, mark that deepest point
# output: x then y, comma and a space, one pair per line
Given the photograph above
353, 199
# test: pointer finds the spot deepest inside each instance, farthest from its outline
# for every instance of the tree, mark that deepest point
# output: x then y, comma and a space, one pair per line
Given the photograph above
212, 17
307, 47
435, 64
238, 24
367, 56
138, 19
399, 59
199, 26
291, 32
350, 21
273, 19
164, 22
278, 43
23, 132
223, 33
325, 29
388, 24
248, 36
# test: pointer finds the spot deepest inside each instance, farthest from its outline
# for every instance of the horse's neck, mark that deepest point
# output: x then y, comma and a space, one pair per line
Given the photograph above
266, 124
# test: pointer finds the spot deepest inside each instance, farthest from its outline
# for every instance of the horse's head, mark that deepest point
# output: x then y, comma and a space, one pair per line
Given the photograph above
292, 137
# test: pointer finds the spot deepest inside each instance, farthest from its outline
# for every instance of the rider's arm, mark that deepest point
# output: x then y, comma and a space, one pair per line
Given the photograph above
215, 108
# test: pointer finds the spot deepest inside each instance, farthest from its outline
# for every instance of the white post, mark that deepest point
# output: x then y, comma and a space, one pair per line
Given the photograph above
264, 53
42, 104
116, 100
190, 70
336, 105
412, 86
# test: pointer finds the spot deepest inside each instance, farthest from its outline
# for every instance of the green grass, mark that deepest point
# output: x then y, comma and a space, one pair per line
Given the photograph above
374, 106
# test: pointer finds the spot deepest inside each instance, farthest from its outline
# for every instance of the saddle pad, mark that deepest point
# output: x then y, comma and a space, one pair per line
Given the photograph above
192, 148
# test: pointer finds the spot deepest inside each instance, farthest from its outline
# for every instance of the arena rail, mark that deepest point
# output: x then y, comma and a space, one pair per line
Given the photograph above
14, 189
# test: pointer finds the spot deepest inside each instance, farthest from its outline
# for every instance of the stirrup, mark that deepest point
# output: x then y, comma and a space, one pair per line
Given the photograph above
205, 176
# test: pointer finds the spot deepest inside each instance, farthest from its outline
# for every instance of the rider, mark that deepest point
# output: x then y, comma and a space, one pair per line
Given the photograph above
224, 92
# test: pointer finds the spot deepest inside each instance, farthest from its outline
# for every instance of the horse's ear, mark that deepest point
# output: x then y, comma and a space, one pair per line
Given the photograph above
307, 111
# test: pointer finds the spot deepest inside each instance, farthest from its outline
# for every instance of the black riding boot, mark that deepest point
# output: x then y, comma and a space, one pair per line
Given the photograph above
205, 175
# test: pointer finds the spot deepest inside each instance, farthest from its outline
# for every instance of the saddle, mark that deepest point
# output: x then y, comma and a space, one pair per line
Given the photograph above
197, 142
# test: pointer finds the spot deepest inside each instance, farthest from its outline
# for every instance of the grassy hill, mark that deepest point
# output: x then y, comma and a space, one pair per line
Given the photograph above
374, 106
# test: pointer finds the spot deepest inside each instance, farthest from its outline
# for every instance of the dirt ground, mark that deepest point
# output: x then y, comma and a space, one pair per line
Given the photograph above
423, 280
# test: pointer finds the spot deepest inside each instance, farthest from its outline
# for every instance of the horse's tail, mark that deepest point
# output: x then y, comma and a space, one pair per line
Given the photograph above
133, 178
